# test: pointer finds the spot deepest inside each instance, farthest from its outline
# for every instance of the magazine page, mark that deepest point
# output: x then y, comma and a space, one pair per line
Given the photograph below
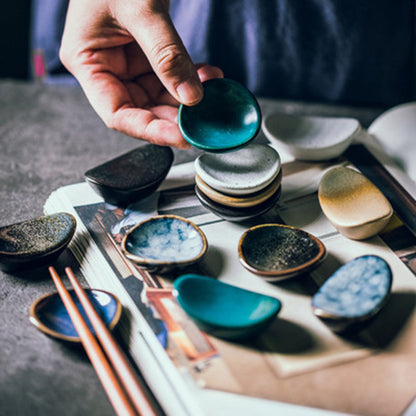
297, 352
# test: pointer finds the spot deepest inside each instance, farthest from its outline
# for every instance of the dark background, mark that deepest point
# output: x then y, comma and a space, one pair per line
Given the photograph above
14, 39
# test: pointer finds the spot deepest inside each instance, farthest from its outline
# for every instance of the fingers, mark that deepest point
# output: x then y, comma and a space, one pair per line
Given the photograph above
151, 26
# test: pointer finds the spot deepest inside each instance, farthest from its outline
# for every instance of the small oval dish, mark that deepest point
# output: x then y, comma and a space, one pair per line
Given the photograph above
35, 242
224, 310
353, 204
356, 292
276, 252
164, 242
233, 214
49, 315
310, 137
227, 118
241, 172
132, 176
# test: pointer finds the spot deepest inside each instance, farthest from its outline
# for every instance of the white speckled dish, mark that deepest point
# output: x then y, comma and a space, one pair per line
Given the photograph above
242, 172
310, 138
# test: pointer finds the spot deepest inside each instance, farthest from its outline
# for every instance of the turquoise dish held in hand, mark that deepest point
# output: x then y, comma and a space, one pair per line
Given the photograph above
227, 118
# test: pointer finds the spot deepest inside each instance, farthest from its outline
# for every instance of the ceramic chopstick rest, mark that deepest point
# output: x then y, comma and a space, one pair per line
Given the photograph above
277, 252
131, 176
228, 117
353, 204
354, 293
224, 310
35, 242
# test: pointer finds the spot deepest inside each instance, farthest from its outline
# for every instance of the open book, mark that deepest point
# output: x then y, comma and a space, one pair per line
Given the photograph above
298, 365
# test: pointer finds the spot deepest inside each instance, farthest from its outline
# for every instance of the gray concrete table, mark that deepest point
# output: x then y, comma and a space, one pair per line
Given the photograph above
49, 136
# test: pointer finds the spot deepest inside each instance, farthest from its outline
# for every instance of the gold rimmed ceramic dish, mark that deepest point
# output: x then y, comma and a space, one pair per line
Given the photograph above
245, 201
277, 252
50, 316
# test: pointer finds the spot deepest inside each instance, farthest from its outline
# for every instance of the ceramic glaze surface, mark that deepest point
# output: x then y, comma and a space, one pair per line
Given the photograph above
165, 240
310, 138
353, 204
276, 251
50, 316
239, 201
356, 289
237, 214
131, 176
224, 309
241, 172
228, 117
36, 241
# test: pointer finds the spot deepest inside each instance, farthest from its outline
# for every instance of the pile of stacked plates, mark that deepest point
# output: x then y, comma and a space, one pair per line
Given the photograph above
239, 185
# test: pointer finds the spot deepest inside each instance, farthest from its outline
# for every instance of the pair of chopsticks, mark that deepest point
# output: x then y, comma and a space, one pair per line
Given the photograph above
111, 365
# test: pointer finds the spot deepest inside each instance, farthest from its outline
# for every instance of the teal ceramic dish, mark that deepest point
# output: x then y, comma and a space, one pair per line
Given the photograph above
276, 252
164, 243
35, 242
227, 118
224, 310
354, 294
49, 315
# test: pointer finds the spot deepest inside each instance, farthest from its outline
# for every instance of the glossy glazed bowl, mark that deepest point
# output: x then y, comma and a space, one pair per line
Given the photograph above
308, 137
224, 310
35, 242
49, 315
164, 243
276, 252
227, 118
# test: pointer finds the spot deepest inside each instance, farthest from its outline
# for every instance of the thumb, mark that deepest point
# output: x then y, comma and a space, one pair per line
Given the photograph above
151, 26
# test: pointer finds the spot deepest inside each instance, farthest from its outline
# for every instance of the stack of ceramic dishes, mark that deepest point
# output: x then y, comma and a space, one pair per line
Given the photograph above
239, 185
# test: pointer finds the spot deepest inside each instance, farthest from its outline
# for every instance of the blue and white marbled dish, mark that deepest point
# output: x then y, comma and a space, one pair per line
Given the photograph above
357, 289
165, 240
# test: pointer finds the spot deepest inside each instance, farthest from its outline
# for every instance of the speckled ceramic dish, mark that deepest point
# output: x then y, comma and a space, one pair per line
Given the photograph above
356, 292
35, 242
241, 172
245, 201
131, 176
353, 204
49, 315
164, 242
224, 310
227, 118
237, 214
310, 138
276, 252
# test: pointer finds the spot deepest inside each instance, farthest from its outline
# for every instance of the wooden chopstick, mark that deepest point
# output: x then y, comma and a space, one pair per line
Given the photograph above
116, 375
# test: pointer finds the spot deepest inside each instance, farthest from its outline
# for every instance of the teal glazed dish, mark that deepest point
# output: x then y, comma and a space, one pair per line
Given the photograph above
164, 243
354, 294
224, 310
35, 242
49, 315
227, 118
277, 252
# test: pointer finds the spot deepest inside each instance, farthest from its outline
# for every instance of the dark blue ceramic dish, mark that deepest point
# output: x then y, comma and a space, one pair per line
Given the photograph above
223, 310
36, 242
131, 176
164, 243
355, 293
276, 252
227, 118
49, 315
237, 214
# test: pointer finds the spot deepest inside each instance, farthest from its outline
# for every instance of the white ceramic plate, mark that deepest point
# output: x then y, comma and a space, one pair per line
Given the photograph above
310, 137
242, 172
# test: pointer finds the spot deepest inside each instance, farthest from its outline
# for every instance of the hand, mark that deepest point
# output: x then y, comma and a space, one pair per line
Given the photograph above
132, 66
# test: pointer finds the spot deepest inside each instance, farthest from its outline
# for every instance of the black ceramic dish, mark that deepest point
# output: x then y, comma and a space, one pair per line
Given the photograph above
237, 214
35, 242
276, 252
131, 176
